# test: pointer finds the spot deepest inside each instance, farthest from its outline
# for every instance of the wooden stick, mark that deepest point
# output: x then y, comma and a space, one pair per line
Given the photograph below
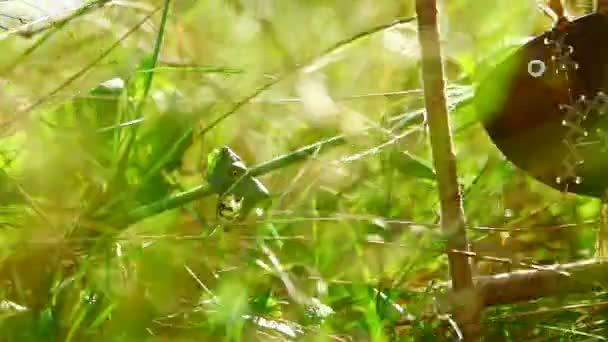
526, 285
601, 243
557, 7
467, 312
602, 6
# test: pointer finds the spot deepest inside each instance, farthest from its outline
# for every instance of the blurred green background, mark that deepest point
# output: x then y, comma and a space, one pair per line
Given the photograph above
107, 113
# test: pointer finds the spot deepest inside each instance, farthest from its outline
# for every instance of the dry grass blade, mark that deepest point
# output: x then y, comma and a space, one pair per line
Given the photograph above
23, 114
48, 22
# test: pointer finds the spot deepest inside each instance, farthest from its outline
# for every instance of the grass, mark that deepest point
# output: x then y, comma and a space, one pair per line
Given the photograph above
108, 227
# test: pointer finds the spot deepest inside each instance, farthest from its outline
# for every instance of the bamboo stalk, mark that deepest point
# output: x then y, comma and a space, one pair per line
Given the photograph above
602, 6
526, 285
467, 311
601, 243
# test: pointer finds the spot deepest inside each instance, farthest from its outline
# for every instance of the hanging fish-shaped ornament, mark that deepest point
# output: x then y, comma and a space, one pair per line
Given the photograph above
545, 107
238, 191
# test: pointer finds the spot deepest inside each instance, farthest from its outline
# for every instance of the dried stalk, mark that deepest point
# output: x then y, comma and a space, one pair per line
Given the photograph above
526, 285
557, 7
602, 6
467, 312
601, 243
45, 23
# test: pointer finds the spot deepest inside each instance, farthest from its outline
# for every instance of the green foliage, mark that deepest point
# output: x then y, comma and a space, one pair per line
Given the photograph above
109, 187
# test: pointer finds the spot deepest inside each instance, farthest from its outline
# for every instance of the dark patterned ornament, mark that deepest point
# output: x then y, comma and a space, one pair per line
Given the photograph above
229, 207
238, 191
545, 107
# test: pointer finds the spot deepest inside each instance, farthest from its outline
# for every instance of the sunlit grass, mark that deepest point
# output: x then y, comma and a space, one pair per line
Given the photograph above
109, 227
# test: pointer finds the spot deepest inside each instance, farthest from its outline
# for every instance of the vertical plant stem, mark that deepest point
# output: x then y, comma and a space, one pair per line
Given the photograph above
141, 101
601, 243
557, 7
601, 6
452, 217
